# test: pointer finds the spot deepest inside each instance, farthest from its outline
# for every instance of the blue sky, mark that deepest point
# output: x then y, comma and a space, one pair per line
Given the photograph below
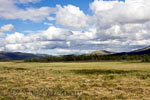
73, 26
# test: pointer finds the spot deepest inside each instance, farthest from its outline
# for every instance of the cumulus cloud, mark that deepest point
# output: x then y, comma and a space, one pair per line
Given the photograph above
14, 47
127, 22
51, 38
28, 1
9, 10
114, 12
115, 26
70, 51
54, 33
47, 39
51, 18
71, 16
15, 38
7, 28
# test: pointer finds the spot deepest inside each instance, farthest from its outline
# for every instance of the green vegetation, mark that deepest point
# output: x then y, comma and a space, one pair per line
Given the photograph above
143, 58
74, 81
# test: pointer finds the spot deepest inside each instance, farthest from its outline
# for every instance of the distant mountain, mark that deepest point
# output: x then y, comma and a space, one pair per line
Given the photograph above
101, 52
19, 56
136, 52
143, 49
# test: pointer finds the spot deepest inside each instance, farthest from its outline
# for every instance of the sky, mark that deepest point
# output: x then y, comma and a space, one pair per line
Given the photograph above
60, 27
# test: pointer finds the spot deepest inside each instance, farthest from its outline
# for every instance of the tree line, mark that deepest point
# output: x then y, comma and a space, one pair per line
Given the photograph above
143, 58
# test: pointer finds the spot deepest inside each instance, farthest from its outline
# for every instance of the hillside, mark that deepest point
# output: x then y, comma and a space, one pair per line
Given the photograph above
18, 55
143, 51
101, 52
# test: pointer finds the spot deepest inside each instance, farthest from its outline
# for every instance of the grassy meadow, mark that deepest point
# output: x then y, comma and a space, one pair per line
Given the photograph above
74, 81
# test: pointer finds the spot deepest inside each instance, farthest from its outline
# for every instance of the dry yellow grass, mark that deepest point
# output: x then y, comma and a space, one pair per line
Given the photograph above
74, 81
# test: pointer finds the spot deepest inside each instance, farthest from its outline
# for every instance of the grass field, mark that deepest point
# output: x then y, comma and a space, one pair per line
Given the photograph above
74, 81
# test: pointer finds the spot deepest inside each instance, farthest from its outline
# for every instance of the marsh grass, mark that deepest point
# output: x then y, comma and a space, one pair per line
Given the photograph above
96, 71
74, 81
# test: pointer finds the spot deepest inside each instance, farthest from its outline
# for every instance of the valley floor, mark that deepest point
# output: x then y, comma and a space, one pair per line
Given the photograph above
74, 81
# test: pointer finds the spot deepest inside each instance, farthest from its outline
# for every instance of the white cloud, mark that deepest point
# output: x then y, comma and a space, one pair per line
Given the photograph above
65, 42
127, 22
140, 42
51, 18
14, 47
1, 34
114, 26
34, 14
9, 10
15, 38
2, 42
47, 39
54, 33
28, 1
70, 51
84, 35
114, 12
7, 28
49, 24
71, 16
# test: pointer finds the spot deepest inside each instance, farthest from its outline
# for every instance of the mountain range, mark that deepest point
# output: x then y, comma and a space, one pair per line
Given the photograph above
101, 52
20, 56
142, 51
